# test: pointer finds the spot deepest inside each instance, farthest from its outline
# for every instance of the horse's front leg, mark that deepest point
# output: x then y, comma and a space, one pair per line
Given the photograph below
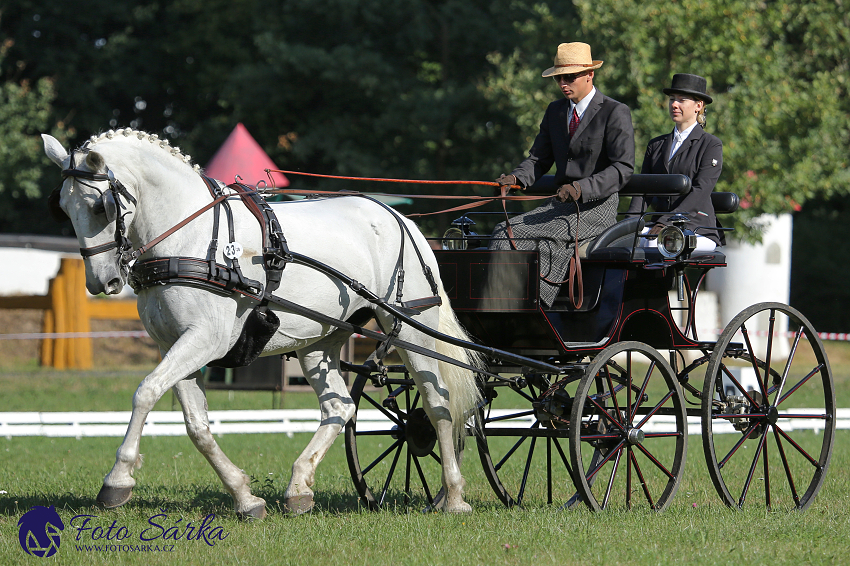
187, 356
190, 393
320, 363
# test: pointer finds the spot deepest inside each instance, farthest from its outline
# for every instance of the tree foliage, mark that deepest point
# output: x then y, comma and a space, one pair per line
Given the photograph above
25, 112
778, 72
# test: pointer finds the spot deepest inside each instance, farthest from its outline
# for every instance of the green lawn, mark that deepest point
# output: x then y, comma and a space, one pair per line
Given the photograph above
176, 486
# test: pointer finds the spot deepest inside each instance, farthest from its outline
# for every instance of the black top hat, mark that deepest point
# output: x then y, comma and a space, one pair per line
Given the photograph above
688, 84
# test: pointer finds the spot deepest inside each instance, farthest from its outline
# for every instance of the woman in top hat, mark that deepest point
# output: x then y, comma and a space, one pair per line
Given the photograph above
687, 150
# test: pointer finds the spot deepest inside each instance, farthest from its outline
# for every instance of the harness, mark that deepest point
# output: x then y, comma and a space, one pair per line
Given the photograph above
226, 280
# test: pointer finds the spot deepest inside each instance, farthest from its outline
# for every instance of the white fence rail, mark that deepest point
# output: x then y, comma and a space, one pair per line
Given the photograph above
286, 421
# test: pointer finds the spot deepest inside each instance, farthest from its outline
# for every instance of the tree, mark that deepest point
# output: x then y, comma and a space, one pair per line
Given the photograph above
778, 72
25, 112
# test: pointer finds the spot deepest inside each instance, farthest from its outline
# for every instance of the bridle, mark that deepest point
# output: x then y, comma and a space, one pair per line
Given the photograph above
111, 205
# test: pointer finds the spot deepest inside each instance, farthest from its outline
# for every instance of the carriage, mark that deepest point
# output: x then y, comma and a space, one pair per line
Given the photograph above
599, 406
590, 404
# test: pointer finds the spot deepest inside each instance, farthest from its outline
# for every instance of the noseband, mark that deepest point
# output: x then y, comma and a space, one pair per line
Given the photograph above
111, 205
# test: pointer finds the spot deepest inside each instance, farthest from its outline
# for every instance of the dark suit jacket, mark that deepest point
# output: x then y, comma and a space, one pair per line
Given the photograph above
701, 159
600, 156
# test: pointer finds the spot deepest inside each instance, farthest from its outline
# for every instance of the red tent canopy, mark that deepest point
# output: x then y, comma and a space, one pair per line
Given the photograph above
240, 154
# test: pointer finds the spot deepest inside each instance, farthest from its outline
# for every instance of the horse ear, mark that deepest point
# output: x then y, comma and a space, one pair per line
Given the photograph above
54, 150
95, 161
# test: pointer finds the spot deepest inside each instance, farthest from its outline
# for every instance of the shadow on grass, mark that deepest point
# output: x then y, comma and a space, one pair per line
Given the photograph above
204, 500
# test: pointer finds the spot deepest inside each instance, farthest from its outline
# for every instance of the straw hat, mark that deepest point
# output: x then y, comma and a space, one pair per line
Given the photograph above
684, 83
572, 58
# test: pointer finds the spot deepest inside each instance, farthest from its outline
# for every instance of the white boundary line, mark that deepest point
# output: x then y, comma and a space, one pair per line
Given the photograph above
285, 421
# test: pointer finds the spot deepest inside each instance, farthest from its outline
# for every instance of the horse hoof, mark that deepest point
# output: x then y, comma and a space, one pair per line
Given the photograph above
298, 504
112, 497
255, 514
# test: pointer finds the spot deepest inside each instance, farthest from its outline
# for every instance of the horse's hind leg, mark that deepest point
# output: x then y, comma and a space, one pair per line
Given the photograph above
320, 363
425, 373
191, 395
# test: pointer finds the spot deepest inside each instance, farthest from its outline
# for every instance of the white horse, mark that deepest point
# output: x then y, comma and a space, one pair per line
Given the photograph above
193, 326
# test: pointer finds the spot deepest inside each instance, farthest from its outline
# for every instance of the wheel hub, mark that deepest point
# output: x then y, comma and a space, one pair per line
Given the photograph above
635, 436
420, 433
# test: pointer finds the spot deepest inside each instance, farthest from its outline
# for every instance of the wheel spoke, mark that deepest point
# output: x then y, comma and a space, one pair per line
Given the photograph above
642, 481
512, 450
738, 445
766, 472
800, 384
423, 480
655, 461
549, 471
639, 399
603, 412
563, 457
604, 461
814, 462
383, 410
611, 385
787, 369
737, 383
389, 477
525, 471
753, 359
752, 471
380, 458
607, 497
629, 478
787, 467
656, 408
407, 472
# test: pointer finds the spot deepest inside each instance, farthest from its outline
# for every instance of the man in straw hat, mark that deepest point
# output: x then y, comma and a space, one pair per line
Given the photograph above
590, 140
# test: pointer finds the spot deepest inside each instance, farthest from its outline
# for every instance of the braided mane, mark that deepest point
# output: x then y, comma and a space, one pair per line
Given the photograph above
152, 138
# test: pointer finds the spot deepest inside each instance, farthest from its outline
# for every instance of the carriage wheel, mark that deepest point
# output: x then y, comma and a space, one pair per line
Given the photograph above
393, 456
523, 441
628, 442
772, 440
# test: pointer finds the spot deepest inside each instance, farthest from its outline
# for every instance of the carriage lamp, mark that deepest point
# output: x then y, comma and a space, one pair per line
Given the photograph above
458, 236
676, 241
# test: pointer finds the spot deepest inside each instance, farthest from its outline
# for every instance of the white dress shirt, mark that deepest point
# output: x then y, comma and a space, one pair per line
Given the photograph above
679, 139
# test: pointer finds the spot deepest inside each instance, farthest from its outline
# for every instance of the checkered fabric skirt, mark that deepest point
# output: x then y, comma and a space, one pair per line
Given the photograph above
551, 229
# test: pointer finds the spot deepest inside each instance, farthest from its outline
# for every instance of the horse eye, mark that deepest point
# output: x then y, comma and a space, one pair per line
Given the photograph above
98, 207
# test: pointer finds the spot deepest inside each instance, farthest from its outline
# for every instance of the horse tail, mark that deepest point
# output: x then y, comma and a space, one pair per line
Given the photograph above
464, 394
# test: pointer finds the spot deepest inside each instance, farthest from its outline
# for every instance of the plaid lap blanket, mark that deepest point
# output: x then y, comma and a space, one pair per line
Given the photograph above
551, 230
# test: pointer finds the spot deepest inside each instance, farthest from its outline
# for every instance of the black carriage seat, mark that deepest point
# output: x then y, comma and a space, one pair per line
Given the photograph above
617, 243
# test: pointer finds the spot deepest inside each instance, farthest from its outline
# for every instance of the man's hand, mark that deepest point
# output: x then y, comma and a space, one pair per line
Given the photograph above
507, 180
570, 192
656, 229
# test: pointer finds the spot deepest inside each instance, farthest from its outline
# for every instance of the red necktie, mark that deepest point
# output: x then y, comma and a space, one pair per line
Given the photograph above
573, 122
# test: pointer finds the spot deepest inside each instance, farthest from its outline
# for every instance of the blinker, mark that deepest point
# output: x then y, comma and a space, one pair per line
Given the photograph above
107, 205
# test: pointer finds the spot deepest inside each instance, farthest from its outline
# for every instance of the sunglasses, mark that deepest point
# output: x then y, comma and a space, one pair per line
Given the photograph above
568, 78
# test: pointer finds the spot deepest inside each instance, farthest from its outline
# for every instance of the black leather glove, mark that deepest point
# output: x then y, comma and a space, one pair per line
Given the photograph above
570, 192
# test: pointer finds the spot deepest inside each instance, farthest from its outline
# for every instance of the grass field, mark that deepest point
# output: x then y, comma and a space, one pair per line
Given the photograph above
176, 486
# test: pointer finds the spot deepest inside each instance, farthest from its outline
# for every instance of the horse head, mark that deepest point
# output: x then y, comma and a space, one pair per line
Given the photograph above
100, 208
